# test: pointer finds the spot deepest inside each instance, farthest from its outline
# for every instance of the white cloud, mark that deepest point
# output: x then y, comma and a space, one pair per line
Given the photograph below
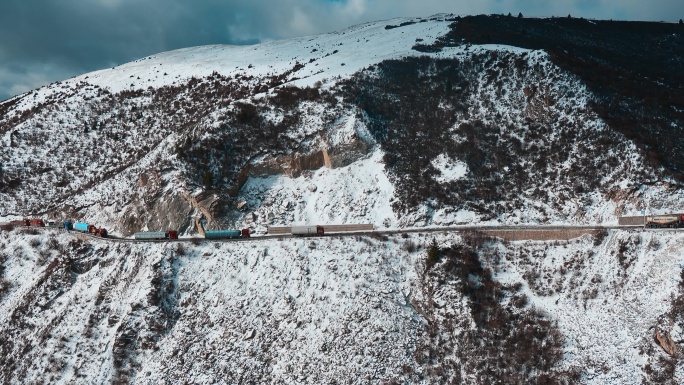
301, 23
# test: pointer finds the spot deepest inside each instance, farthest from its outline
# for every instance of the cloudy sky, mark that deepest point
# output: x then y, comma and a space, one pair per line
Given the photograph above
42, 41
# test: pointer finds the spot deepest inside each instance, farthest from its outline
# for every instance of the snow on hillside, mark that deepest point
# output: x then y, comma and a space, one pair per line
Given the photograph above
362, 187
113, 159
607, 299
112, 148
449, 169
99, 187
322, 58
306, 311
312, 310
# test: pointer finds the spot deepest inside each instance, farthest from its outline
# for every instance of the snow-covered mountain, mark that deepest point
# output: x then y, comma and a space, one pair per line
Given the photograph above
466, 133
403, 123
105, 148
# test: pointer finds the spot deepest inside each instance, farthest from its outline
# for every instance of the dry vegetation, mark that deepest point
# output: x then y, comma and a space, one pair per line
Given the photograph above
419, 108
501, 341
635, 70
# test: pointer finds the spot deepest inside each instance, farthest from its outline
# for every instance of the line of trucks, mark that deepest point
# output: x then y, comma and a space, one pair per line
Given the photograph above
155, 235
650, 221
227, 234
87, 228
173, 234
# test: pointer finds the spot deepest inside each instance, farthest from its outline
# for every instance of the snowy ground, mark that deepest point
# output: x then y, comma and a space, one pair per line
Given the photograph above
363, 187
323, 57
315, 198
606, 309
305, 310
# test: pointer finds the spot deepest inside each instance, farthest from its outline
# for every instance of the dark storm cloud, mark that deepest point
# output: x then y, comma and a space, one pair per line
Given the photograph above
84, 35
67, 38
46, 40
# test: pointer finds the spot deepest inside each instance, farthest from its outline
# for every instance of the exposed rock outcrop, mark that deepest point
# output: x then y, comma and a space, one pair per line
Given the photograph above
665, 342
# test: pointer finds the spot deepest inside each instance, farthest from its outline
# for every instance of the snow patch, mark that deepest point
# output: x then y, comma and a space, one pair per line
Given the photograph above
450, 169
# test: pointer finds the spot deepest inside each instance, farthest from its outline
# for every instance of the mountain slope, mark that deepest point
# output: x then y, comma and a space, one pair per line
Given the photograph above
157, 142
357, 310
402, 123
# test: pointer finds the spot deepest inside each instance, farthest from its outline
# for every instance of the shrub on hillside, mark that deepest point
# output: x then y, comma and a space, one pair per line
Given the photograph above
507, 345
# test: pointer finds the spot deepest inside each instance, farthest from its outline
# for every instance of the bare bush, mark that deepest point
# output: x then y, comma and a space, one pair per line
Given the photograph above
35, 242
409, 246
599, 237
180, 249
